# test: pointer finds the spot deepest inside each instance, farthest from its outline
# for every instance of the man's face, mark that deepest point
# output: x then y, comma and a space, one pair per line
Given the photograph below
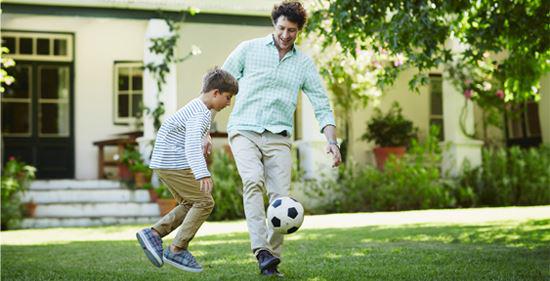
222, 100
285, 33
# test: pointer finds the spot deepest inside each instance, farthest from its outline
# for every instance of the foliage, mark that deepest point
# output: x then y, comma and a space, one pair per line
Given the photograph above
352, 79
228, 188
132, 158
16, 177
515, 33
411, 182
165, 48
5, 63
163, 192
511, 176
390, 129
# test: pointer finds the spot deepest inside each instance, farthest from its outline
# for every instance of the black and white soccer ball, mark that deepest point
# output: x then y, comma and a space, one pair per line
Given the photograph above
285, 215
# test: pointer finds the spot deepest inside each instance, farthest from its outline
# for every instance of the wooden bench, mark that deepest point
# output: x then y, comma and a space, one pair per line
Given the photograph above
120, 142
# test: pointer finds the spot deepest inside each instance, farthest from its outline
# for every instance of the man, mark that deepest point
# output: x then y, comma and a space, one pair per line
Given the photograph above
271, 72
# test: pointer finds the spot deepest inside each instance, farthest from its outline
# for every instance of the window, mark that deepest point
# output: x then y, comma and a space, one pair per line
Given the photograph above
128, 92
38, 46
436, 103
523, 125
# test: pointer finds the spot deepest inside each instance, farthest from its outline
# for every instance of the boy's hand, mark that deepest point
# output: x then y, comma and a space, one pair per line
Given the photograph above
207, 145
206, 185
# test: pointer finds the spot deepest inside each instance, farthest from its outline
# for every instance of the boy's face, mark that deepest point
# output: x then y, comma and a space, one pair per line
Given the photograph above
221, 100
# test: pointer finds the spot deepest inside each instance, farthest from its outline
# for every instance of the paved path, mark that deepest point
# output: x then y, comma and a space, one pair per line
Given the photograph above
451, 216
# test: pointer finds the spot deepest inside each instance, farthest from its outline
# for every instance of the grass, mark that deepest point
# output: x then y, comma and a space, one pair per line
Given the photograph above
504, 250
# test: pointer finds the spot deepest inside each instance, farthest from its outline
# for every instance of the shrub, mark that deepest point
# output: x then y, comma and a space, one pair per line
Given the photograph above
411, 182
16, 177
511, 176
228, 188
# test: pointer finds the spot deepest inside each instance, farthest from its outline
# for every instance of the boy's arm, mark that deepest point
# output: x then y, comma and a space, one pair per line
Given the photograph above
193, 146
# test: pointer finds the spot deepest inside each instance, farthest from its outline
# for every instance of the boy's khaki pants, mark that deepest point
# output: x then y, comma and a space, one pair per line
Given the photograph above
193, 207
264, 164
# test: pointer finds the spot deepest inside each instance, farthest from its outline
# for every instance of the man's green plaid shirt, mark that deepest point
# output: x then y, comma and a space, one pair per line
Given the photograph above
269, 87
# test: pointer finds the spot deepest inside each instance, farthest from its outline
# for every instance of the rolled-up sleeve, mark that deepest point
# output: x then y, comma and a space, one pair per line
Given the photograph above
317, 95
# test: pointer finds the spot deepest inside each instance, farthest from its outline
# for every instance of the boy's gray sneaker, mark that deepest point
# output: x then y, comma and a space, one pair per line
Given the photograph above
183, 260
152, 246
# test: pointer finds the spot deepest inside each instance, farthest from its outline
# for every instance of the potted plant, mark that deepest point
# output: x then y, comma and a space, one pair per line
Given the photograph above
391, 132
141, 172
165, 199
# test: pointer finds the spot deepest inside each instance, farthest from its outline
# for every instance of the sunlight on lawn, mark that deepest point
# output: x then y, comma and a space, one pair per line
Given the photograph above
508, 232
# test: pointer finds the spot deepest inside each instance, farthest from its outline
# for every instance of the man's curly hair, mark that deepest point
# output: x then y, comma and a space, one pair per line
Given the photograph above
292, 10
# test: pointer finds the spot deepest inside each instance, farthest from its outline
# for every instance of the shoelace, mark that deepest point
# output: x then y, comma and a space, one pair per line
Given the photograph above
191, 259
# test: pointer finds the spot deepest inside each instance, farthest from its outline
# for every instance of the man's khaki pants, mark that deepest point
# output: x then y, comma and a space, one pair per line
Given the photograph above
264, 164
193, 207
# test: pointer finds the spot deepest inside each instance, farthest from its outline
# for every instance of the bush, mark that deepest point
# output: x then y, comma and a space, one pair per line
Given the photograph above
16, 177
511, 176
228, 188
411, 182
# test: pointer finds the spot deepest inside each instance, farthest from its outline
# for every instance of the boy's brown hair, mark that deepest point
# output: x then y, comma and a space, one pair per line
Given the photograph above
292, 10
217, 78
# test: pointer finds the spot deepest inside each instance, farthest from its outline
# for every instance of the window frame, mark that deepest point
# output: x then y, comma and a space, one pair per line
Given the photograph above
433, 116
117, 120
34, 56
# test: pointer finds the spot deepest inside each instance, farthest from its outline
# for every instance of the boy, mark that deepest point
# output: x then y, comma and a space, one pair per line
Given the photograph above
178, 160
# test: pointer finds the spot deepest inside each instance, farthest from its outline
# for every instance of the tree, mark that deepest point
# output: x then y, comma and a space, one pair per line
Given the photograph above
351, 78
512, 35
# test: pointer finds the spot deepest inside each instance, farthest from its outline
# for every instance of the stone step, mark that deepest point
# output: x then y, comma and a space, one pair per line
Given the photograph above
75, 184
92, 221
46, 196
96, 210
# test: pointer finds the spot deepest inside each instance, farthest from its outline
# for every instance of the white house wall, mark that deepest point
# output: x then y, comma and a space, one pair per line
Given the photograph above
99, 42
416, 107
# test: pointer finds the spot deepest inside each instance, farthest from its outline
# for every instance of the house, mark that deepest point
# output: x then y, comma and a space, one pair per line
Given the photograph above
79, 80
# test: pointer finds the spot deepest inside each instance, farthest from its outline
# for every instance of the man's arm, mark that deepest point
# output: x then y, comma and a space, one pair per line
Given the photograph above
315, 91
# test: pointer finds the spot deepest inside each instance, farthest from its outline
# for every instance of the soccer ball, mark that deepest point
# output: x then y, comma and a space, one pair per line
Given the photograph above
285, 215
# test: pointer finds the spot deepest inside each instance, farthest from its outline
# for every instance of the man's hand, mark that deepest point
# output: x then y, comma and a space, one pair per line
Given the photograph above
207, 145
335, 151
206, 185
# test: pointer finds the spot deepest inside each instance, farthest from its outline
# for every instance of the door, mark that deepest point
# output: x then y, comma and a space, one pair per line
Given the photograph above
37, 118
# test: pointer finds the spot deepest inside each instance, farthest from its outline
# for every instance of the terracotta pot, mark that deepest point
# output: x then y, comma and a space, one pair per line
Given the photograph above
166, 205
153, 195
139, 179
123, 172
382, 154
30, 209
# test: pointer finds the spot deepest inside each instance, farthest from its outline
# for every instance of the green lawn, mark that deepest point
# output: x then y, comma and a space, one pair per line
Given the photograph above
505, 250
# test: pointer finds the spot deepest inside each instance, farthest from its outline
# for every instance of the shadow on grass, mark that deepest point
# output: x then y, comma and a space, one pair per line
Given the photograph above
500, 251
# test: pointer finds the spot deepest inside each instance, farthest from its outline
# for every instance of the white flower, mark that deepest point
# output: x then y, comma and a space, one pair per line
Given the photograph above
116, 157
486, 86
195, 50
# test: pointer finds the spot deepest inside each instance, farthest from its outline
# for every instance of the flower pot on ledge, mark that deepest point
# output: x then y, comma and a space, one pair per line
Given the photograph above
166, 205
382, 154
30, 209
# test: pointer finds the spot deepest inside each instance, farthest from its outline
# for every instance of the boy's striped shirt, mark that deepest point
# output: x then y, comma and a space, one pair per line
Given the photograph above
179, 140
